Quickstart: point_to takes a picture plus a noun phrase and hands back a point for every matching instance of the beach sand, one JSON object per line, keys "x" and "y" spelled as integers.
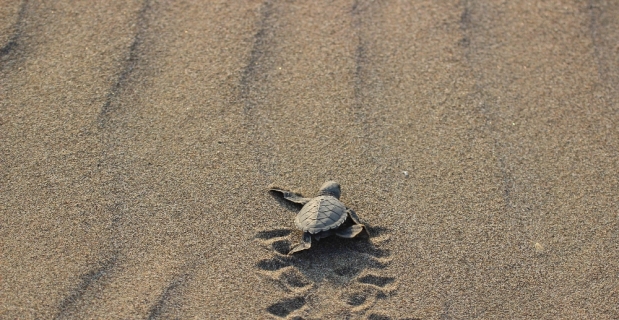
{"x": 479, "y": 140}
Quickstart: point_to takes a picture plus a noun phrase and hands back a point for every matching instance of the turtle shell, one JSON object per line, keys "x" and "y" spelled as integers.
{"x": 321, "y": 214}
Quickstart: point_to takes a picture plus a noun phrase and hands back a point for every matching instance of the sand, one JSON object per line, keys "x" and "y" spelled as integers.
{"x": 478, "y": 139}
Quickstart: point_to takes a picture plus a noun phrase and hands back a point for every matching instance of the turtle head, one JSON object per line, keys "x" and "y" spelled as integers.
{"x": 330, "y": 188}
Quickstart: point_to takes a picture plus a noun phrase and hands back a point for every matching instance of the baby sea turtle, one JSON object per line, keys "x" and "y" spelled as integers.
{"x": 323, "y": 216}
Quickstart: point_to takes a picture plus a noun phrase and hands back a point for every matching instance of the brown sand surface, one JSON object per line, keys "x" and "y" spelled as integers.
{"x": 478, "y": 139}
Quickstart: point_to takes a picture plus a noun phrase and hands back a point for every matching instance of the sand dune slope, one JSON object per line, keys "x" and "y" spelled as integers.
{"x": 478, "y": 140}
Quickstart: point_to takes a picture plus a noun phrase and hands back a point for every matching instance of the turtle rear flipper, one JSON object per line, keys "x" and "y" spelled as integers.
{"x": 351, "y": 231}
{"x": 304, "y": 245}
{"x": 291, "y": 196}
{"x": 355, "y": 218}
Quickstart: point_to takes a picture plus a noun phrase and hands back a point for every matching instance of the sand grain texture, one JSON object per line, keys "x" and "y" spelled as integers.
{"x": 478, "y": 139}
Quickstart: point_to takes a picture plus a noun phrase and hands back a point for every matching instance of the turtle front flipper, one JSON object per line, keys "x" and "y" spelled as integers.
{"x": 304, "y": 245}
{"x": 291, "y": 196}
{"x": 354, "y": 230}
